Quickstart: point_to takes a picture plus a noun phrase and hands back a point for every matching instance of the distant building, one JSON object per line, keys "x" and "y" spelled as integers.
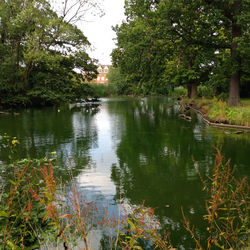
{"x": 102, "y": 74}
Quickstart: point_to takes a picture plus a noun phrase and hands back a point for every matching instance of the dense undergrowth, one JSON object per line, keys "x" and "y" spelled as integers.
{"x": 34, "y": 211}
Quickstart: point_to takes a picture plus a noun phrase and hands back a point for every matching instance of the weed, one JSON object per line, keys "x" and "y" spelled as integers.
{"x": 227, "y": 208}
{"x": 218, "y": 110}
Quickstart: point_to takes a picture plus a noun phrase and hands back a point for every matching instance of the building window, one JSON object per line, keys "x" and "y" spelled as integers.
{"x": 102, "y": 78}
{"x": 99, "y": 70}
{"x": 98, "y": 78}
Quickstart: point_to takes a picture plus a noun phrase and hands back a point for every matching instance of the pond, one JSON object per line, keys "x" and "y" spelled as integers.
{"x": 129, "y": 150}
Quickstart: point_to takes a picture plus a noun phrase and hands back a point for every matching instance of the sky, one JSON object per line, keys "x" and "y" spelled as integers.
{"x": 99, "y": 30}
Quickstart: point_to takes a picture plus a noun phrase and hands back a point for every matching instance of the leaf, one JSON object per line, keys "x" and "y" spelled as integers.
{"x": 137, "y": 247}
{"x": 218, "y": 245}
{"x": 3, "y": 214}
{"x": 65, "y": 215}
{"x": 131, "y": 224}
{"x": 12, "y": 245}
{"x": 36, "y": 246}
{"x": 12, "y": 182}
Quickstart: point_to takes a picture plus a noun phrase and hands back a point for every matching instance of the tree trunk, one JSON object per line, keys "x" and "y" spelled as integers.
{"x": 189, "y": 90}
{"x": 234, "y": 90}
{"x": 192, "y": 90}
{"x": 26, "y": 76}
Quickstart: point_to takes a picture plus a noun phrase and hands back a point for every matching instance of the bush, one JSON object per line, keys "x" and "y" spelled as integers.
{"x": 22, "y": 213}
{"x": 205, "y": 91}
{"x": 118, "y": 82}
{"x": 219, "y": 111}
{"x": 103, "y": 90}
{"x": 178, "y": 92}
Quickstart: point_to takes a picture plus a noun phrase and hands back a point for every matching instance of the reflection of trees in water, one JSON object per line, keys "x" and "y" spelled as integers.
{"x": 71, "y": 133}
{"x": 156, "y": 153}
{"x": 155, "y": 161}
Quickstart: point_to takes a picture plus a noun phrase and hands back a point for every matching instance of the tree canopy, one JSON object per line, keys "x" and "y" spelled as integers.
{"x": 167, "y": 43}
{"x": 43, "y": 54}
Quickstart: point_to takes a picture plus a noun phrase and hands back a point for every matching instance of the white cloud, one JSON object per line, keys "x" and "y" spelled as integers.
{"x": 100, "y": 33}
{"x": 98, "y": 30}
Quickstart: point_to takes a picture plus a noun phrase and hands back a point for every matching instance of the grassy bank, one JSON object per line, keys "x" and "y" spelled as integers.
{"x": 219, "y": 111}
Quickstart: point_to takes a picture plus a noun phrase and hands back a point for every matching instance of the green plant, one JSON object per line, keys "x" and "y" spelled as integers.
{"x": 178, "y": 92}
{"x": 227, "y": 208}
{"x": 219, "y": 111}
{"x": 140, "y": 228}
{"x": 22, "y": 212}
{"x": 9, "y": 143}
{"x": 103, "y": 90}
{"x": 205, "y": 91}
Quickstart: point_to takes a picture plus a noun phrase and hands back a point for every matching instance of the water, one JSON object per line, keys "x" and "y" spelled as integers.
{"x": 131, "y": 150}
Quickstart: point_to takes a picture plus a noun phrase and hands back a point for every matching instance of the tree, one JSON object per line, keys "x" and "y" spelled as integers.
{"x": 140, "y": 50}
{"x": 33, "y": 38}
{"x": 118, "y": 80}
{"x": 194, "y": 40}
{"x": 234, "y": 16}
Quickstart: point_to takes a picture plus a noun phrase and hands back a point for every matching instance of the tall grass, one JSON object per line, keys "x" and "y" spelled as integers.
{"x": 219, "y": 111}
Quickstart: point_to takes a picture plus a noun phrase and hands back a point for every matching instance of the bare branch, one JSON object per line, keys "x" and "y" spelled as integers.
{"x": 74, "y": 11}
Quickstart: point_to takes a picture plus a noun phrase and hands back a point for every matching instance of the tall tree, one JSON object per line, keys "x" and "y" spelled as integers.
{"x": 34, "y": 37}
{"x": 234, "y": 16}
{"x": 195, "y": 38}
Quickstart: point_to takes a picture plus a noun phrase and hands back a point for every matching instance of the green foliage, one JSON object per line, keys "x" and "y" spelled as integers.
{"x": 22, "y": 210}
{"x": 233, "y": 115}
{"x": 206, "y": 91}
{"x": 178, "y": 92}
{"x": 10, "y": 144}
{"x": 40, "y": 52}
{"x": 218, "y": 110}
{"x": 103, "y": 90}
{"x": 118, "y": 81}
{"x": 163, "y": 44}
{"x": 227, "y": 208}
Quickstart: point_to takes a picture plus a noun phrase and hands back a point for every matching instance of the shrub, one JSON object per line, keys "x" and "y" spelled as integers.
{"x": 178, "y": 92}
{"x": 217, "y": 111}
{"x": 103, "y": 90}
{"x": 205, "y": 91}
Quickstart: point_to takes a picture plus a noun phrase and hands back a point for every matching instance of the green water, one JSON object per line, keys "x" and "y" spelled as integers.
{"x": 131, "y": 150}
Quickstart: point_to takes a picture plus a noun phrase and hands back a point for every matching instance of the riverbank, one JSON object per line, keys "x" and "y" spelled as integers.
{"x": 218, "y": 113}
